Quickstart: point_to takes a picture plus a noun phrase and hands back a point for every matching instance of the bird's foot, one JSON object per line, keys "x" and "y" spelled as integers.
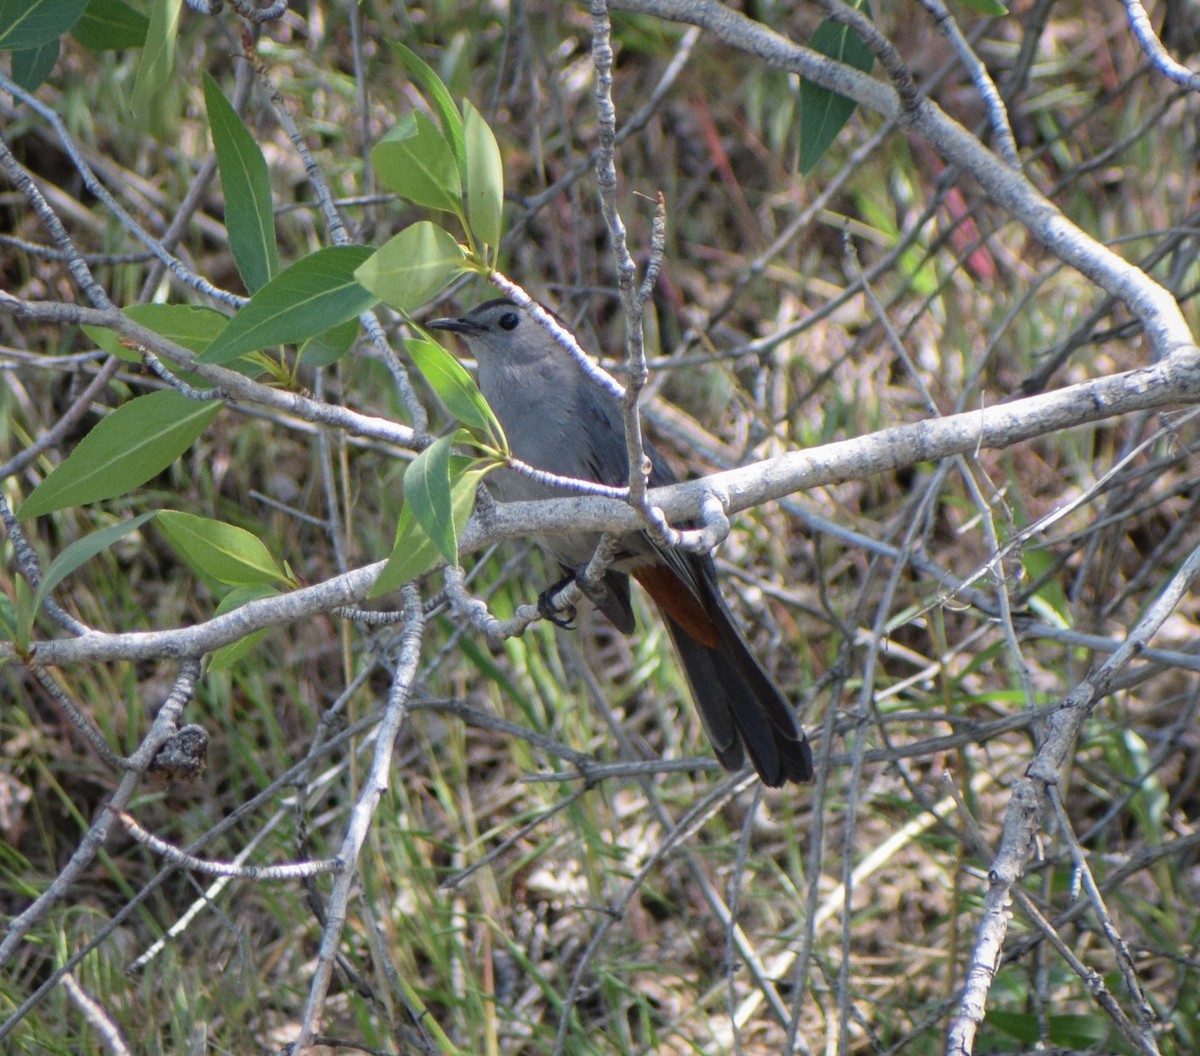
{"x": 560, "y": 616}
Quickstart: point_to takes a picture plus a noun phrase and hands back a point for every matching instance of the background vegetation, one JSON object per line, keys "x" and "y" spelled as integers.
{"x": 928, "y": 619}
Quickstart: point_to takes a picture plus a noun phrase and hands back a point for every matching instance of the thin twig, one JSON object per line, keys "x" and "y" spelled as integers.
{"x": 358, "y": 827}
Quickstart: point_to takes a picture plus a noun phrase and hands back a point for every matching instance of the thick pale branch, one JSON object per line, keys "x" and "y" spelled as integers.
{"x": 1175, "y": 382}
{"x": 1172, "y": 383}
{"x": 232, "y": 385}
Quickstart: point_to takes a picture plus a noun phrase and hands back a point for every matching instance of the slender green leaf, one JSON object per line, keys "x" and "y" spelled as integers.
{"x": 228, "y": 655}
{"x": 83, "y": 550}
{"x": 456, "y": 388}
{"x": 158, "y": 56}
{"x": 485, "y": 179}
{"x": 32, "y": 23}
{"x": 427, "y": 493}
{"x": 412, "y": 267}
{"x": 302, "y": 301}
{"x": 249, "y": 218}
{"x": 1050, "y": 601}
{"x": 443, "y": 103}
{"x": 31, "y": 66}
{"x": 224, "y": 552}
{"x": 194, "y": 328}
{"x": 111, "y": 24}
{"x": 993, "y": 8}
{"x": 414, "y": 553}
{"x": 415, "y": 160}
{"x": 134, "y": 443}
{"x": 823, "y": 113}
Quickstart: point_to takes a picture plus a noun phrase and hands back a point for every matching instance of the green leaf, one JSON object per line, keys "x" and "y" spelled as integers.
{"x": 195, "y": 328}
{"x": 427, "y": 493}
{"x": 32, "y": 23}
{"x": 224, "y": 552}
{"x": 158, "y": 56}
{"x": 415, "y": 160}
{"x": 80, "y": 551}
{"x": 111, "y": 24}
{"x": 823, "y": 113}
{"x": 414, "y": 553}
{"x": 456, "y": 388}
{"x": 485, "y": 179}
{"x": 249, "y": 218}
{"x": 134, "y": 443}
{"x": 31, "y": 66}
{"x": 1074, "y": 1031}
{"x": 329, "y": 347}
{"x": 916, "y": 262}
{"x": 992, "y": 8}
{"x": 302, "y": 301}
{"x": 1050, "y": 601}
{"x": 228, "y": 655}
{"x": 192, "y": 327}
{"x": 412, "y": 267}
{"x": 443, "y": 103}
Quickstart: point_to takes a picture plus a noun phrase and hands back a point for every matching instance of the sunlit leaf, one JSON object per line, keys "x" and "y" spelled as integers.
{"x": 306, "y": 299}
{"x": 249, "y": 219}
{"x": 414, "y": 553}
{"x": 427, "y": 494}
{"x": 442, "y": 101}
{"x": 83, "y": 550}
{"x": 409, "y": 269}
{"x": 158, "y": 56}
{"x": 224, "y": 552}
{"x": 485, "y": 179}
{"x": 823, "y": 114}
{"x": 127, "y": 448}
{"x": 456, "y": 388}
{"x": 228, "y": 655}
{"x": 415, "y": 160}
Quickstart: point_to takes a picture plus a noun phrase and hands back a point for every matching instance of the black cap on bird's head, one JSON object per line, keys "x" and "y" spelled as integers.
{"x": 498, "y": 314}
{"x": 501, "y": 330}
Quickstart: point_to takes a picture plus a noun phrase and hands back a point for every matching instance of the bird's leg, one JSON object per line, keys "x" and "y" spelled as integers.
{"x": 559, "y": 616}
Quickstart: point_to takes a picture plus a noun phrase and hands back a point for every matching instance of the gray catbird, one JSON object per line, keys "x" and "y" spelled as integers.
{"x": 562, "y": 421}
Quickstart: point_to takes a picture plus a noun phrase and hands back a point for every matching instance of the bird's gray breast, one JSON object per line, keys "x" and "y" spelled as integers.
{"x": 539, "y": 411}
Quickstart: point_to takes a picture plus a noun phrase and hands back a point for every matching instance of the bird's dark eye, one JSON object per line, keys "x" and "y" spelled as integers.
{"x": 509, "y": 320}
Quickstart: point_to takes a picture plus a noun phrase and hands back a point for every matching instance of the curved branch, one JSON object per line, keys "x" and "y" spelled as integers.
{"x": 232, "y": 384}
{"x": 1153, "y": 305}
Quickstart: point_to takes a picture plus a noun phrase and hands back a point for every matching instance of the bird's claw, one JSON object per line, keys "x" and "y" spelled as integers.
{"x": 560, "y": 617}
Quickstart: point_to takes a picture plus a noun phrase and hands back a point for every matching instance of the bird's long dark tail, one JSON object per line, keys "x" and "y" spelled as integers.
{"x": 743, "y": 711}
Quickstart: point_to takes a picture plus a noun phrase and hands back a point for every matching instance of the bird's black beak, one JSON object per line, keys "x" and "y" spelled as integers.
{"x": 457, "y": 326}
